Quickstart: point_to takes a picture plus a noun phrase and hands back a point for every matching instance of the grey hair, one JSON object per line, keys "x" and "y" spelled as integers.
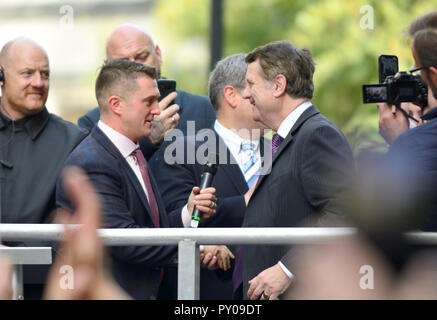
{"x": 228, "y": 71}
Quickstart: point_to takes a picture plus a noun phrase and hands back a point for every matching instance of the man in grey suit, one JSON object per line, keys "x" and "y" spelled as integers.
{"x": 311, "y": 164}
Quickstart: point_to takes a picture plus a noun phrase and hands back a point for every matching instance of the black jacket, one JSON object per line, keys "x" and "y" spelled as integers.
{"x": 32, "y": 154}
{"x": 413, "y": 157}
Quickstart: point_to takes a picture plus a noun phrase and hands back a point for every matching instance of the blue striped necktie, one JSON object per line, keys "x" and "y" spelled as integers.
{"x": 249, "y": 161}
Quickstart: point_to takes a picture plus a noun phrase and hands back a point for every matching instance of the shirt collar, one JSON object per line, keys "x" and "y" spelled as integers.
{"x": 125, "y": 145}
{"x": 33, "y": 124}
{"x": 231, "y": 138}
{"x": 290, "y": 120}
{"x": 431, "y": 114}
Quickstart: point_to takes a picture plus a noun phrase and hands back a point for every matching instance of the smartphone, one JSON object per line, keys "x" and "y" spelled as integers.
{"x": 387, "y": 66}
{"x": 166, "y": 86}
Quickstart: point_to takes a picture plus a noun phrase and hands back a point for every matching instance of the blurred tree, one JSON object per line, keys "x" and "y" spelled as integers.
{"x": 345, "y": 53}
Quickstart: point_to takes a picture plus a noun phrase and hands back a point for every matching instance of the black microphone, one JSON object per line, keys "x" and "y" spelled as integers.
{"x": 209, "y": 171}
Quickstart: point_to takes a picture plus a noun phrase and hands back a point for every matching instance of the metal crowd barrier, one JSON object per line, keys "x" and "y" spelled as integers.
{"x": 188, "y": 241}
{"x": 21, "y": 256}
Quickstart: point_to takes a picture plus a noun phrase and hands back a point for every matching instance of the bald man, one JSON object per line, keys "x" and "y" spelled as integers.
{"x": 33, "y": 143}
{"x": 131, "y": 42}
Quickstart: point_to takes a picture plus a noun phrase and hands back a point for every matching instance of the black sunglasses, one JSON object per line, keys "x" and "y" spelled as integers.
{"x": 417, "y": 69}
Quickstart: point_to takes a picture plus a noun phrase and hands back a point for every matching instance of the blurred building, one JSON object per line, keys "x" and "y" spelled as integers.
{"x": 74, "y": 34}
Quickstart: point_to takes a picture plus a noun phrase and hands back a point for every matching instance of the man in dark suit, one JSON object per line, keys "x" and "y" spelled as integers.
{"x": 127, "y": 94}
{"x": 235, "y": 136}
{"x": 311, "y": 165}
{"x": 131, "y": 42}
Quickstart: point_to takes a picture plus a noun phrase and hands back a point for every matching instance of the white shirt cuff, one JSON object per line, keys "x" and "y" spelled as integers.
{"x": 287, "y": 272}
{"x": 186, "y": 217}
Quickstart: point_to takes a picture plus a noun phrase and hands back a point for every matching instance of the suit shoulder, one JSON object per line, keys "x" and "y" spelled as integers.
{"x": 420, "y": 133}
{"x": 91, "y": 156}
{"x": 89, "y": 119}
{"x": 320, "y": 122}
{"x": 189, "y": 95}
{"x": 318, "y": 129}
{"x": 193, "y": 98}
{"x": 92, "y": 114}
{"x": 413, "y": 138}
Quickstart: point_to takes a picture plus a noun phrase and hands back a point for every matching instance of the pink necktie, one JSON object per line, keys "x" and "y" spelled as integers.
{"x": 151, "y": 196}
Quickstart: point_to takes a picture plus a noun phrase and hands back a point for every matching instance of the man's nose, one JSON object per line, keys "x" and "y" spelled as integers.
{"x": 246, "y": 93}
{"x": 37, "y": 80}
{"x": 156, "y": 110}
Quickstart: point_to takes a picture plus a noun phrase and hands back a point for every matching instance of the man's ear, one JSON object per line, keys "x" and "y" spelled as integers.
{"x": 158, "y": 54}
{"x": 116, "y": 104}
{"x": 279, "y": 85}
{"x": 230, "y": 96}
{"x": 433, "y": 75}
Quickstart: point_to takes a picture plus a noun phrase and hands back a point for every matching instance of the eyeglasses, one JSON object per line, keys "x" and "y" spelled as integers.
{"x": 414, "y": 70}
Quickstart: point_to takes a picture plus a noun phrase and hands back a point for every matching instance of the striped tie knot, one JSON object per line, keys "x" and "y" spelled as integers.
{"x": 276, "y": 142}
{"x": 247, "y": 155}
{"x": 249, "y": 160}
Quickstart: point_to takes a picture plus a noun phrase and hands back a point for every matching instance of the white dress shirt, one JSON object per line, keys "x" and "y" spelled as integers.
{"x": 233, "y": 141}
{"x": 290, "y": 120}
{"x": 126, "y": 146}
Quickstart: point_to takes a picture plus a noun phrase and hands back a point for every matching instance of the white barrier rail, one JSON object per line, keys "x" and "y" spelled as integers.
{"x": 189, "y": 239}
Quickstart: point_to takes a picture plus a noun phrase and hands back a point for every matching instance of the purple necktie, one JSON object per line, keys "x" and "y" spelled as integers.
{"x": 237, "y": 275}
{"x": 276, "y": 142}
{"x": 151, "y": 196}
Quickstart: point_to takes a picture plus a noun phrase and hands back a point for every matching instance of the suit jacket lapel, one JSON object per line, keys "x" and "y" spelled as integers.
{"x": 267, "y": 167}
{"x": 163, "y": 218}
{"x": 102, "y": 139}
{"x": 137, "y": 185}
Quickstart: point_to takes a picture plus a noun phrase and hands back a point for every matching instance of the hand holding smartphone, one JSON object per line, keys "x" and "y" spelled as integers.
{"x": 166, "y": 86}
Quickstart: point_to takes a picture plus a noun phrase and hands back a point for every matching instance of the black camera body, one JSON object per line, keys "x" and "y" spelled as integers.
{"x": 395, "y": 87}
{"x": 402, "y": 87}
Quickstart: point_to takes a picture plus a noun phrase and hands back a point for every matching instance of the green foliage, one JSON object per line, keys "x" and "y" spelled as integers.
{"x": 346, "y": 55}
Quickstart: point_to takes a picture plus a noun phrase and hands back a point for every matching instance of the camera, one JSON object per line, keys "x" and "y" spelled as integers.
{"x": 396, "y": 88}
{"x": 402, "y": 87}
